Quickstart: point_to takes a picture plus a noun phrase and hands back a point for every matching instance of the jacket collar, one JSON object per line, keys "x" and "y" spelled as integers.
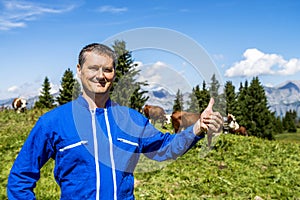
{"x": 83, "y": 102}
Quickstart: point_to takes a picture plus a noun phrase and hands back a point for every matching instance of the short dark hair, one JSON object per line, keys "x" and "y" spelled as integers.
{"x": 100, "y": 49}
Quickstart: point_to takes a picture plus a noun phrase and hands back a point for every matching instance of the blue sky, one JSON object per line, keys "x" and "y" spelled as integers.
{"x": 242, "y": 38}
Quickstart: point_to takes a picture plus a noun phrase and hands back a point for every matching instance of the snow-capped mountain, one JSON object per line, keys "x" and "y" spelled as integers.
{"x": 281, "y": 98}
{"x": 284, "y": 97}
{"x": 7, "y": 103}
{"x": 161, "y": 97}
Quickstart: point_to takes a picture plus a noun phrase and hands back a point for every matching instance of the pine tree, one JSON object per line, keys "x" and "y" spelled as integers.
{"x": 230, "y": 97}
{"x": 221, "y": 106}
{"x": 193, "y": 102}
{"x": 76, "y": 89}
{"x": 279, "y": 125}
{"x": 294, "y": 121}
{"x": 214, "y": 87}
{"x": 203, "y": 97}
{"x": 126, "y": 90}
{"x": 46, "y": 100}
{"x": 67, "y": 86}
{"x": 261, "y": 118}
{"x": 138, "y": 99}
{"x": 285, "y": 121}
{"x": 125, "y": 61}
{"x": 178, "y": 102}
{"x": 220, "y": 101}
{"x": 241, "y": 111}
{"x": 289, "y": 121}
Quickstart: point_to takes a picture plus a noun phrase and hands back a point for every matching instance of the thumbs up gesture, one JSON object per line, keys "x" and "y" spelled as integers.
{"x": 209, "y": 121}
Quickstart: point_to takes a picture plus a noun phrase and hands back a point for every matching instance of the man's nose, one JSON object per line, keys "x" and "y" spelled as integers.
{"x": 100, "y": 73}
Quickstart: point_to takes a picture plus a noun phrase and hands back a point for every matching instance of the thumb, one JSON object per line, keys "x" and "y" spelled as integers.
{"x": 210, "y": 104}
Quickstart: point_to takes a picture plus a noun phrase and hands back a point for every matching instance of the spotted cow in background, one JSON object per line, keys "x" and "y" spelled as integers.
{"x": 234, "y": 127}
{"x": 19, "y": 105}
{"x": 168, "y": 117}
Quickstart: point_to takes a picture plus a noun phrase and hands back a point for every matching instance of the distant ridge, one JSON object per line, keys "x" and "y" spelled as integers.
{"x": 284, "y": 97}
{"x": 295, "y": 82}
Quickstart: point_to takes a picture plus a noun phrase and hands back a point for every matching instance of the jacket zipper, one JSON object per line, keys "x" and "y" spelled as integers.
{"x": 111, "y": 153}
{"x": 96, "y": 154}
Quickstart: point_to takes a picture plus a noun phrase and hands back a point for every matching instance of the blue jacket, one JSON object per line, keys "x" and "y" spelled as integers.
{"x": 95, "y": 151}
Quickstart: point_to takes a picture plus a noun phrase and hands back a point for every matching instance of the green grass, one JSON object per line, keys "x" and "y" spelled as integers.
{"x": 289, "y": 137}
{"x": 236, "y": 168}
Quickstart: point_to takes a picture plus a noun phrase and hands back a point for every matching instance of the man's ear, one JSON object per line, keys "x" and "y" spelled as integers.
{"x": 115, "y": 74}
{"x": 78, "y": 71}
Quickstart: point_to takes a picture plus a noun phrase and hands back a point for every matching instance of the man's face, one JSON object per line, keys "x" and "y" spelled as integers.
{"x": 96, "y": 74}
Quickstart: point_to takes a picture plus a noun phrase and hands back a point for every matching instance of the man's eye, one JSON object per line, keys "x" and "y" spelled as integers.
{"x": 93, "y": 68}
{"x": 108, "y": 70}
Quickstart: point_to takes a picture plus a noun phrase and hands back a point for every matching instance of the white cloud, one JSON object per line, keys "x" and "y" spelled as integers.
{"x": 7, "y": 25}
{"x": 15, "y": 14}
{"x": 258, "y": 63}
{"x": 161, "y": 74}
{"x": 112, "y": 9}
{"x": 292, "y": 66}
{"x": 269, "y": 84}
{"x": 24, "y": 90}
{"x": 27, "y": 90}
{"x": 13, "y": 89}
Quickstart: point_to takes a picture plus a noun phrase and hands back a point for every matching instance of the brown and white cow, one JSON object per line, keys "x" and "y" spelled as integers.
{"x": 155, "y": 113}
{"x": 168, "y": 117}
{"x": 182, "y": 119}
{"x": 19, "y": 105}
{"x": 234, "y": 127}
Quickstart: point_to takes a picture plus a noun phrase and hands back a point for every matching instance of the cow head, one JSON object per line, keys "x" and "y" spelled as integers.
{"x": 168, "y": 118}
{"x": 19, "y": 104}
{"x": 232, "y": 122}
{"x": 230, "y": 117}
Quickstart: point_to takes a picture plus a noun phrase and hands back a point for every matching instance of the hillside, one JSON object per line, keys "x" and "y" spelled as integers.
{"x": 236, "y": 168}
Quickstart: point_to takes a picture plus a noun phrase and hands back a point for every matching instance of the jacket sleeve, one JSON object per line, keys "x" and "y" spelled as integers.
{"x": 164, "y": 146}
{"x": 25, "y": 172}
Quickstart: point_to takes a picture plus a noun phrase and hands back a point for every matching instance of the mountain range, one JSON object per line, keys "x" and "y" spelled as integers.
{"x": 284, "y": 97}
{"x": 281, "y": 98}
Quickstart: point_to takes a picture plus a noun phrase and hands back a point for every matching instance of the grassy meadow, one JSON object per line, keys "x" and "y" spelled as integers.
{"x": 236, "y": 168}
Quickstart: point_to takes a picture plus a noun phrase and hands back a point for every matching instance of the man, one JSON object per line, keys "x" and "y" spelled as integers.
{"x": 95, "y": 142}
